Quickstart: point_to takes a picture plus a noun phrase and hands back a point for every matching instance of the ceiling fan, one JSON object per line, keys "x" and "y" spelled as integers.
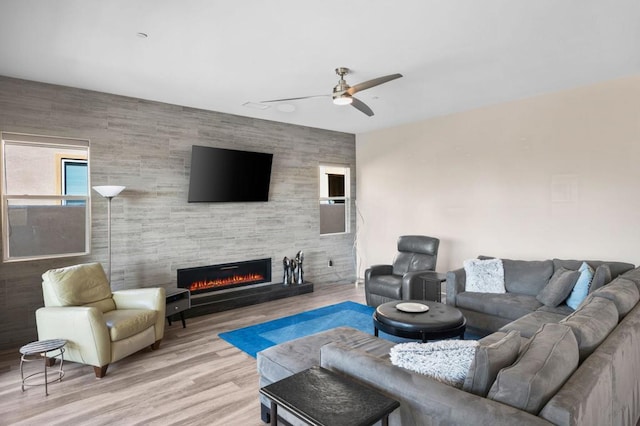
{"x": 343, "y": 93}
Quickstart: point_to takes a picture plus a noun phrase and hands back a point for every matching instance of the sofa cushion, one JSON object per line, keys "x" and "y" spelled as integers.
{"x": 526, "y": 276}
{"x": 633, "y": 275}
{"x": 581, "y": 289}
{"x": 484, "y": 276}
{"x": 508, "y": 305}
{"x": 616, "y": 268}
{"x": 601, "y": 276}
{"x": 592, "y": 323}
{"x": 546, "y": 362}
{"x": 123, "y": 323}
{"x": 530, "y": 323}
{"x": 489, "y": 359}
{"x": 446, "y": 361}
{"x": 285, "y": 359}
{"x": 559, "y": 287}
{"x": 561, "y": 309}
{"x": 623, "y": 292}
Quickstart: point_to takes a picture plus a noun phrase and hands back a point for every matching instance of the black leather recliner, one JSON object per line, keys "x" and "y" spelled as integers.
{"x": 417, "y": 254}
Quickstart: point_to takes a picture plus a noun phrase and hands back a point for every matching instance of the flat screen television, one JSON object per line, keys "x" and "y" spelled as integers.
{"x": 226, "y": 175}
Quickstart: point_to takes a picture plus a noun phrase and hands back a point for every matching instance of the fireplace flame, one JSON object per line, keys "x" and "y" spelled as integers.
{"x": 223, "y": 282}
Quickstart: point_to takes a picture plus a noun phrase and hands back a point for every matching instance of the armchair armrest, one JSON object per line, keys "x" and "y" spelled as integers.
{"x": 412, "y": 285}
{"x": 144, "y": 298}
{"x": 378, "y": 270}
{"x": 456, "y": 281}
{"x": 84, "y": 329}
{"x": 423, "y": 400}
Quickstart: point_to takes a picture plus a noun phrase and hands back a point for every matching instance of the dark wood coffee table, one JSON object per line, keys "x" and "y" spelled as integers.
{"x": 321, "y": 397}
{"x": 439, "y": 322}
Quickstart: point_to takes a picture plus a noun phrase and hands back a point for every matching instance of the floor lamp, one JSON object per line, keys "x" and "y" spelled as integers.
{"x": 108, "y": 192}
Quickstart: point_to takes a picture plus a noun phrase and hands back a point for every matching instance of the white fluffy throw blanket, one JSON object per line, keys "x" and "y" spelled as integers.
{"x": 446, "y": 361}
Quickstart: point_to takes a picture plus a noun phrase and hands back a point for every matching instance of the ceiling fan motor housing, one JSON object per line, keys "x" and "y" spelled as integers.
{"x": 340, "y": 97}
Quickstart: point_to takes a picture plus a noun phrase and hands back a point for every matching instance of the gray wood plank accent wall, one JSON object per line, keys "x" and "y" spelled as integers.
{"x": 146, "y": 146}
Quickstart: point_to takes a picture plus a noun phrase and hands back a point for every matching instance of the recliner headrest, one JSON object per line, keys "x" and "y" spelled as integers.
{"x": 418, "y": 244}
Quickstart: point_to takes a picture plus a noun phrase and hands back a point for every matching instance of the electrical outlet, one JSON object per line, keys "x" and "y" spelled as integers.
{"x": 330, "y": 263}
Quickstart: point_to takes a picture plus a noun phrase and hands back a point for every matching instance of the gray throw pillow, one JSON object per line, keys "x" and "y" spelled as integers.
{"x": 489, "y": 359}
{"x": 601, "y": 276}
{"x": 591, "y": 323}
{"x": 623, "y": 292}
{"x": 559, "y": 287}
{"x": 546, "y": 362}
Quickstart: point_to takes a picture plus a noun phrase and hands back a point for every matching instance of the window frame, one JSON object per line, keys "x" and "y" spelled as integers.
{"x": 324, "y": 170}
{"x": 25, "y": 139}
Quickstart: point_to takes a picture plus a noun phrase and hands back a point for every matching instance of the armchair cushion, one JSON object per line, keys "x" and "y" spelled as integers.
{"x": 123, "y": 323}
{"x": 408, "y": 262}
{"x": 77, "y": 285}
{"x": 415, "y": 253}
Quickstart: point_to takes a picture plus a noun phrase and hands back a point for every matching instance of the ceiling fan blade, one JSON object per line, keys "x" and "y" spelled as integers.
{"x": 361, "y": 106}
{"x": 372, "y": 83}
{"x": 293, "y": 99}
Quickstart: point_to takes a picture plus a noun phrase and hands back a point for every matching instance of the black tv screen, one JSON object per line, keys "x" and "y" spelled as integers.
{"x": 228, "y": 175}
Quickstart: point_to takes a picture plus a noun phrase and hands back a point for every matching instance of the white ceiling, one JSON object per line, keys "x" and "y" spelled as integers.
{"x": 217, "y": 55}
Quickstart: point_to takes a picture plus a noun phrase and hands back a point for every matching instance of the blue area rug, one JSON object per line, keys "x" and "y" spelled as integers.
{"x": 257, "y": 337}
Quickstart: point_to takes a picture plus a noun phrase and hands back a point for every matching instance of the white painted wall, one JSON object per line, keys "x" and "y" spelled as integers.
{"x": 552, "y": 176}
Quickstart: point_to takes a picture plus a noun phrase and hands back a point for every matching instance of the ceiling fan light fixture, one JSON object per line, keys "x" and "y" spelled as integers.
{"x": 343, "y": 100}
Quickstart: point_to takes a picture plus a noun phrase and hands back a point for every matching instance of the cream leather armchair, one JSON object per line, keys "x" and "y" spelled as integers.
{"x": 100, "y": 327}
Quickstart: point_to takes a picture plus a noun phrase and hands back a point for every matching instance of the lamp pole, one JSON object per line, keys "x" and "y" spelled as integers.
{"x": 108, "y": 192}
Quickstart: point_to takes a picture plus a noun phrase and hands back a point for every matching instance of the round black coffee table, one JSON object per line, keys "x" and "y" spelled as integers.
{"x": 439, "y": 322}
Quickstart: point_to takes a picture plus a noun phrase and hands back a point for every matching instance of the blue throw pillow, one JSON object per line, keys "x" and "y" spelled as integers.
{"x": 581, "y": 289}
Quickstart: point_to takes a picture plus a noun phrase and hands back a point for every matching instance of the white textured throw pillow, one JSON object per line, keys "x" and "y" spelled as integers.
{"x": 446, "y": 361}
{"x": 484, "y": 276}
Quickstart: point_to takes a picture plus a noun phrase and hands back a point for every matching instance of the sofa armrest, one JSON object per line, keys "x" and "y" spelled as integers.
{"x": 144, "y": 298}
{"x": 84, "y": 329}
{"x": 423, "y": 400}
{"x": 456, "y": 281}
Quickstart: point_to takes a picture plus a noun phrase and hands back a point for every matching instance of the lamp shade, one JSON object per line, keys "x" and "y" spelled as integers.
{"x": 108, "y": 191}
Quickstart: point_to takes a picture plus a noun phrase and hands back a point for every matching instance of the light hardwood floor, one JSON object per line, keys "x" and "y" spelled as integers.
{"x": 195, "y": 378}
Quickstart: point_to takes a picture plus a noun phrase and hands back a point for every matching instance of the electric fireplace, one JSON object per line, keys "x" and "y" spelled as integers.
{"x": 224, "y": 276}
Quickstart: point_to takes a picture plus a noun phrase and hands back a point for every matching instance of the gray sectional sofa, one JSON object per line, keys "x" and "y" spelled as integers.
{"x": 571, "y": 367}
{"x": 523, "y": 280}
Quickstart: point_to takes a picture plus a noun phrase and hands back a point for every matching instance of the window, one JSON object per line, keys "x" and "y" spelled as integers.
{"x": 45, "y": 197}
{"x": 334, "y": 199}
{"x": 73, "y": 179}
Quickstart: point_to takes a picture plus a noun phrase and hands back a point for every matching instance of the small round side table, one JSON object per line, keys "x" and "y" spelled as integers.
{"x": 35, "y": 350}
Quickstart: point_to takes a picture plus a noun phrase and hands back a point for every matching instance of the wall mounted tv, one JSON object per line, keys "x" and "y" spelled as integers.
{"x": 227, "y": 175}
